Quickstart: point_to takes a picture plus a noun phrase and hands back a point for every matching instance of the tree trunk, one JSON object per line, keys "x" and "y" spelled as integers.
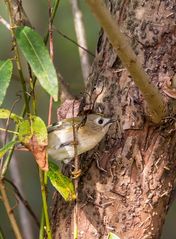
{"x": 127, "y": 188}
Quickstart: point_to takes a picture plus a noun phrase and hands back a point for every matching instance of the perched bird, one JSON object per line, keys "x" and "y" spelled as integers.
{"x": 90, "y": 130}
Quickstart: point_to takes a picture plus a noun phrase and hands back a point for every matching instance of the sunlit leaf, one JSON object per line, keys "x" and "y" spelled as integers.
{"x": 62, "y": 183}
{"x": 36, "y": 53}
{"x": 7, "y": 147}
{"x": 6, "y": 68}
{"x": 113, "y": 236}
{"x": 33, "y": 134}
{"x": 5, "y": 114}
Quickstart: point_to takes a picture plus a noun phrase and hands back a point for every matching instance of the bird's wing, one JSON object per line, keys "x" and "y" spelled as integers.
{"x": 64, "y": 124}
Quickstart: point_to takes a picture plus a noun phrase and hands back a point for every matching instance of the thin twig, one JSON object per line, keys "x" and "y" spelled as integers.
{"x": 9, "y": 131}
{"x": 53, "y": 14}
{"x": 51, "y": 50}
{"x": 9, "y": 211}
{"x": 5, "y": 23}
{"x": 50, "y": 30}
{"x": 8, "y": 158}
{"x": 76, "y": 169}
{"x": 8, "y": 119}
{"x": 74, "y": 42}
{"x": 129, "y": 59}
{"x": 32, "y": 81}
{"x": 81, "y": 38}
{"x": 24, "y": 202}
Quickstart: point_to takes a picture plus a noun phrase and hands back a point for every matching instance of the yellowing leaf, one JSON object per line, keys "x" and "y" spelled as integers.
{"x": 5, "y": 114}
{"x": 62, "y": 183}
{"x": 113, "y": 236}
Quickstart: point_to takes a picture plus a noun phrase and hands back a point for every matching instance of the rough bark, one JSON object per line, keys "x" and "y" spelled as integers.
{"x": 127, "y": 188}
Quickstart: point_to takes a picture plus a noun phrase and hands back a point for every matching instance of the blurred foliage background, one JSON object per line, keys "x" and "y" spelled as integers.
{"x": 66, "y": 60}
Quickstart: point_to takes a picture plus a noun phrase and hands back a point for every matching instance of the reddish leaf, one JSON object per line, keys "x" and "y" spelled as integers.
{"x": 33, "y": 135}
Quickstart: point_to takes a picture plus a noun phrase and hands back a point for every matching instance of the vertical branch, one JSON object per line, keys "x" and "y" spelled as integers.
{"x": 43, "y": 176}
{"x": 43, "y": 182}
{"x": 42, "y": 223}
{"x": 76, "y": 172}
{"x": 50, "y": 31}
{"x": 81, "y": 38}
{"x": 53, "y": 14}
{"x": 17, "y": 14}
{"x": 17, "y": 55}
{"x": 9, "y": 211}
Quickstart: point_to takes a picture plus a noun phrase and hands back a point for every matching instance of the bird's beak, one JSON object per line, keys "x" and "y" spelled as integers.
{"x": 111, "y": 121}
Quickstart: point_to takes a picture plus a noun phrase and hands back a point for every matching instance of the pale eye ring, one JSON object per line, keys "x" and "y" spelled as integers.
{"x": 100, "y": 121}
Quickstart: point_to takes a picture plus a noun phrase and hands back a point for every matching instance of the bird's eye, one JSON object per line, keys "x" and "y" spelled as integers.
{"x": 100, "y": 121}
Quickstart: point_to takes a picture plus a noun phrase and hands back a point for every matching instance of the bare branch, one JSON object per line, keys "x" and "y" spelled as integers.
{"x": 9, "y": 211}
{"x": 5, "y": 23}
{"x": 25, "y": 203}
{"x": 129, "y": 60}
{"x": 81, "y": 38}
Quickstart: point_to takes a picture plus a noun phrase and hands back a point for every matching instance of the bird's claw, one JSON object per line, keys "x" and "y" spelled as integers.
{"x": 76, "y": 174}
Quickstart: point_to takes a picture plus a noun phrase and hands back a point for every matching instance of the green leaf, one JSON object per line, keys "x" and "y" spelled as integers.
{"x": 25, "y": 132}
{"x": 62, "y": 183}
{"x": 32, "y": 127}
{"x": 7, "y": 147}
{"x": 33, "y": 134}
{"x": 5, "y": 114}
{"x": 6, "y": 68}
{"x": 36, "y": 54}
{"x": 113, "y": 236}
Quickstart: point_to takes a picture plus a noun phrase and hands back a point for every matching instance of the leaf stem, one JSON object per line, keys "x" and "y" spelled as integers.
{"x": 76, "y": 181}
{"x": 7, "y": 161}
{"x": 42, "y": 225}
{"x": 43, "y": 183}
{"x": 9, "y": 131}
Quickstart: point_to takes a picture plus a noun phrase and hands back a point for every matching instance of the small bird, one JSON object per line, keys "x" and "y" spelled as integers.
{"x": 90, "y": 130}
